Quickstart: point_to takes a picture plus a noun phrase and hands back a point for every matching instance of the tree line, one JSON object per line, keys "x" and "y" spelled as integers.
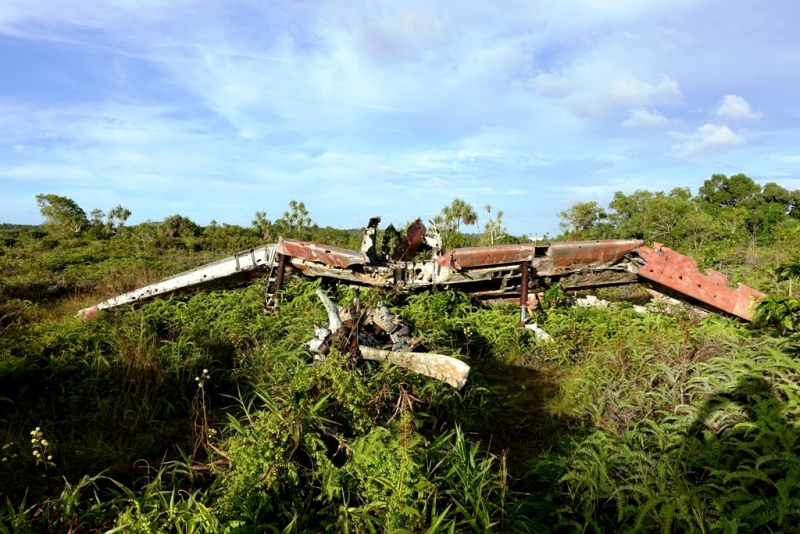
{"x": 725, "y": 210}
{"x": 64, "y": 216}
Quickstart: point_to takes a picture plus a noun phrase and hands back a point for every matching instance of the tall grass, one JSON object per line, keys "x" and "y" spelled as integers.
{"x": 657, "y": 422}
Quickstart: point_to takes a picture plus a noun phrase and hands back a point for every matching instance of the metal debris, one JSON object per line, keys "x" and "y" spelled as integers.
{"x": 679, "y": 274}
{"x": 504, "y": 272}
{"x": 374, "y": 323}
{"x": 541, "y": 335}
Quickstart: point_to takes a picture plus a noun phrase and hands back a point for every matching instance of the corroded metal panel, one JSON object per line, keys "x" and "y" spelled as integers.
{"x": 464, "y": 258}
{"x": 374, "y": 276}
{"x": 325, "y": 254}
{"x": 411, "y": 242}
{"x": 679, "y": 273}
{"x": 572, "y": 255}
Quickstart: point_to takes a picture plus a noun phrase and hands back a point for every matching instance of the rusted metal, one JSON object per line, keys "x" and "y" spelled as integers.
{"x": 577, "y": 255}
{"x": 488, "y": 273}
{"x": 279, "y": 277}
{"x": 679, "y": 273}
{"x": 411, "y": 241}
{"x": 464, "y": 258}
{"x": 524, "y": 268}
{"x": 325, "y": 254}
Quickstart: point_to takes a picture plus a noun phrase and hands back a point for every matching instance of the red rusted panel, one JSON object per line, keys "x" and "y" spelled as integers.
{"x": 464, "y": 258}
{"x": 585, "y": 254}
{"x": 325, "y": 254}
{"x": 411, "y": 242}
{"x": 679, "y": 273}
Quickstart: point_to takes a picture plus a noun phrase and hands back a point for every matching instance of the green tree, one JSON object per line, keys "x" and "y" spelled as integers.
{"x": 454, "y": 215}
{"x": 581, "y": 218}
{"x": 97, "y": 216}
{"x": 179, "y": 226}
{"x": 62, "y": 211}
{"x": 493, "y": 228}
{"x": 116, "y": 219}
{"x": 262, "y": 225}
{"x": 296, "y": 219}
{"x": 720, "y": 191}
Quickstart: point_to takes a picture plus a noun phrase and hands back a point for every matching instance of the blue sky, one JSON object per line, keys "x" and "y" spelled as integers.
{"x": 216, "y": 110}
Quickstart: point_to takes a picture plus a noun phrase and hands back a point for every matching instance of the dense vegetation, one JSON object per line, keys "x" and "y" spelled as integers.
{"x": 201, "y": 413}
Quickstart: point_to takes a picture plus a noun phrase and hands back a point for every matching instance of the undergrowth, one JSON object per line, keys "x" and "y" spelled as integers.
{"x": 202, "y": 413}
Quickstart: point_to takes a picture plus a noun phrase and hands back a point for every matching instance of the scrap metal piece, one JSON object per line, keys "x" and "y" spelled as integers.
{"x": 539, "y": 332}
{"x": 523, "y": 297}
{"x": 464, "y": 258}
{"x": 411, "y": 242}
{"x": 433, "y": 238}
{"x": 317, "y": 253}
{"x": 579, "y": 255}
{"x": 243, "y": 262}
{"x": 679, "y": 273}
{"x": 316, "y": 345}
{"x": 334, "y": 321}
{"x": 276, "y": 297}
{"x": 368, "y": 241}
{"x": 438, "y": 366}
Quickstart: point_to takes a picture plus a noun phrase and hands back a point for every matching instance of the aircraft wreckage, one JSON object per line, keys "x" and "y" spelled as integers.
{"x": 514, "y": 273}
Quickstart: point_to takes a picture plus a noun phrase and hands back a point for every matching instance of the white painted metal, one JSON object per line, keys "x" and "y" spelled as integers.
{"x": 246, "y": 260}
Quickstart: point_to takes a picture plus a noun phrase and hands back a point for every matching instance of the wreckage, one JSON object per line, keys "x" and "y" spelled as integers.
{"x": 418, "y": 261}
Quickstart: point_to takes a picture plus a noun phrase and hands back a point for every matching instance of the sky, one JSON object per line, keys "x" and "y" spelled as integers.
{"x": 216, "y": 110}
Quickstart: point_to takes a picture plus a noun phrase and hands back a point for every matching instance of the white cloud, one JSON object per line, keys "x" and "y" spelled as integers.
{"x": 707, "y": 139}
{"x": 385, "y": 169}
{"x": 641, "y": 119}
{"x": 591, "y": 91}
{"x": 735, "y": 107}
{"x": 630, "y": 91}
